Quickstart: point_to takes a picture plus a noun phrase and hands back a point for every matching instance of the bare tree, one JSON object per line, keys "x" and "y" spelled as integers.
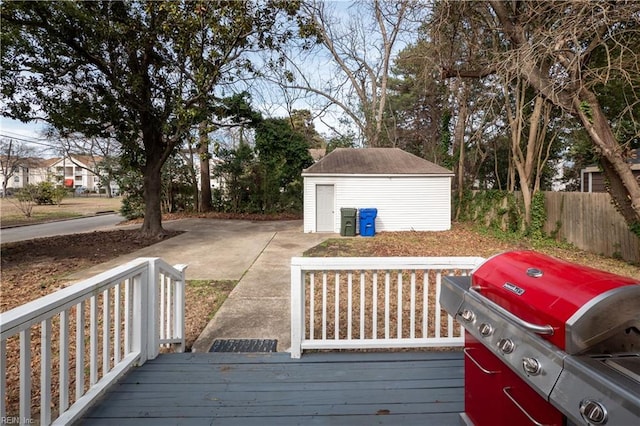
{"x": 530, "y": 143}
{"x": 568, "y": 52}
{"x": 13, "y": 156}
{"x": 359, "y": 48}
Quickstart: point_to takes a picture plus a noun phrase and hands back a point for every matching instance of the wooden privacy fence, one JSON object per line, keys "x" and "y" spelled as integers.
{"x": 589, "y": 221}
{"x": 372, "y": 302}
{"x": 62, "y": 351}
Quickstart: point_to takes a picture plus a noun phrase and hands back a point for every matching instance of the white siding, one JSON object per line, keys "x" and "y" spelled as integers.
{"x": 403, "y": 203}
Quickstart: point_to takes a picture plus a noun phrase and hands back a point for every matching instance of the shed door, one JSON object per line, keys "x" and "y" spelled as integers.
{"x": 324, "y": 208}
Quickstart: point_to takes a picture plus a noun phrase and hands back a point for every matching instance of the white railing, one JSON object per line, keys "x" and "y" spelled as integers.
{"x": 97, "y": 329}
{"x": 372, "y": 302}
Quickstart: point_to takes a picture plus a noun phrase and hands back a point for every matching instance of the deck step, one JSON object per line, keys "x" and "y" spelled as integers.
{"x": 244, "y": 345}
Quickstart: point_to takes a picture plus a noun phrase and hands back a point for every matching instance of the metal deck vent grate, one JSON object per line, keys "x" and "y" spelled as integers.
{"x": 244, "y": 345}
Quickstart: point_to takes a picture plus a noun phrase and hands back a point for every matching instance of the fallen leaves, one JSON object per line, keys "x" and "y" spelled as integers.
{"x": 462, "y": 240}
{"x": 35, "y": 268}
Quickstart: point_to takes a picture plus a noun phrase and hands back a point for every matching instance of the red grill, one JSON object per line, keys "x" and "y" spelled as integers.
{"x": 544, "y": 290}
{"x": 547, "y": 342}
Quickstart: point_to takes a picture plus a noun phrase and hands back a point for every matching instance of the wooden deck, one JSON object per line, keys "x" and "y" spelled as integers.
{"x": 423, "y": 388}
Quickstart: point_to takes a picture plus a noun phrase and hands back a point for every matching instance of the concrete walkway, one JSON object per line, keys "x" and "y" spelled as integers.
{"x": 258, "y": 254}
{"x": 259, "y": 306}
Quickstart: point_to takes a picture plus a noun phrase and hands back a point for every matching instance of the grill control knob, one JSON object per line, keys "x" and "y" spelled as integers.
{"x": 506, "y": 346}
{"x": 467, "y": 315}
{"x": 485, "y": 329}
{"x": 593, "y": 412}
{"x": 531, "y": 366}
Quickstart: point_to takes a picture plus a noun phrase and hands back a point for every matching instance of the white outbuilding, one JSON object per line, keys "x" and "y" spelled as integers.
{"x": 409, "y": 193}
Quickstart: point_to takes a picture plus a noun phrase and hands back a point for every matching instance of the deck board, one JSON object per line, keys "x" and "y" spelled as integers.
{"x": 320, "y": 388}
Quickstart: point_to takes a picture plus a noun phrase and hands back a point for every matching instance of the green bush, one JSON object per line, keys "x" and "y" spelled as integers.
{"x": 42, "y": 193}
{"x": 132, "y": 207}
{"x": 538, "y": 216}
{"x": 45, "y": 193}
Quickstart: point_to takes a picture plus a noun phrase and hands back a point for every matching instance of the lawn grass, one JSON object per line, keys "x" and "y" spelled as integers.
{"x": 70, "y": 207}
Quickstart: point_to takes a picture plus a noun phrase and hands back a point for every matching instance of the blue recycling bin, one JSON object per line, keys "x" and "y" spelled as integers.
{"x": 368, "y": 222}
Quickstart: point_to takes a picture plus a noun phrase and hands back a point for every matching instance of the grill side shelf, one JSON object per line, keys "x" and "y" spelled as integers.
{"x": 452, "y": 293}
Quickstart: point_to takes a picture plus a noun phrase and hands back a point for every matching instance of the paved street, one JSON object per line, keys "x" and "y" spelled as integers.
{"x": 64, "y": 227}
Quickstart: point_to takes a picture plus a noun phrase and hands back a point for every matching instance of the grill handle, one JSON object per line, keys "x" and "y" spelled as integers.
{"x": 507, "y": 391}
{"x": 484, "y": 370}
{"x": 546, "y": 330}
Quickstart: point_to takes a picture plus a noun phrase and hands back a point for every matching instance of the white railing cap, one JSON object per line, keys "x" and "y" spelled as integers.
{"x": 385, "y": 263}
{"x": 175, "y": 271}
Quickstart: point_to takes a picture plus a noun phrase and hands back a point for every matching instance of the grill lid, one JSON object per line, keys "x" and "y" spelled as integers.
{"x": 586, "y": 307}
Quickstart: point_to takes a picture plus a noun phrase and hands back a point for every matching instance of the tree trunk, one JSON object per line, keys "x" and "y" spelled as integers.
{"x": 458, "y": 141}
{"x": 526, "y": 168}
{"x": 511, "y": 176}
{"x": 205, "y": 172}
{"x": 617, "y": 191}
{"x": 624, "y": 188}
{"x": 155, "y": 156}
{"x": 152, "y": 225}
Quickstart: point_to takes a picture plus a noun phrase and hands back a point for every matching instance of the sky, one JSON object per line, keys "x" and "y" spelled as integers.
{"x": 271, "y": 104}
{"x": 29, "y": 133}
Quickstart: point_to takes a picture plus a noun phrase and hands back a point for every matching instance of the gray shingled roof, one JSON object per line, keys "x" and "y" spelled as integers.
{"x": 374, "y": 161}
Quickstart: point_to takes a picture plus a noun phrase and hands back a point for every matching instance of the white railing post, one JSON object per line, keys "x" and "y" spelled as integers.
{"x": 153, "y": 320}
{"x": 140, "y": 315}
{"x": 25, "y": 374}
{"x": 179, "y": 306}
{"x": 80, "y": 307}
{"x": 297, "y": 309}
{"x": 45, "y": 372}
{"x": 63, "y": 380}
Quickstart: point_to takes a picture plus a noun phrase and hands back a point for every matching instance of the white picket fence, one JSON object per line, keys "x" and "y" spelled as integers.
{"x": 371, "y": 302}
{"x": 125, "y": 315}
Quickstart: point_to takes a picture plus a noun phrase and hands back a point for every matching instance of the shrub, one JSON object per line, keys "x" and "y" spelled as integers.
{"x": 45, "y": 193}
{"x": 132, "y": 206}
{"x": 26, "y": 199}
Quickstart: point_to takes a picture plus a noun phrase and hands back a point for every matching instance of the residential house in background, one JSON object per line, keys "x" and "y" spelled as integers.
{"x": 29, "y": 171}
{"x": 74, "y": 172}
{"x": 592, "y": 178}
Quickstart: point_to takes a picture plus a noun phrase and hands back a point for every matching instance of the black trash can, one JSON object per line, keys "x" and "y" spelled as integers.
{"x": 348, "y": 221}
